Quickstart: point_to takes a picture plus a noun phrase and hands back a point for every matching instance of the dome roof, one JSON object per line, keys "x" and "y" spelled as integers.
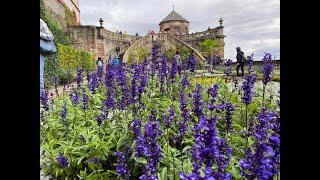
{"x": 174, "y": 16}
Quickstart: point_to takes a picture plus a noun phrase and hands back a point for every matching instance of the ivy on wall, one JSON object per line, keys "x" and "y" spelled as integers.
{"x": 69, "y": 17}
{"x": 59, "y": 35}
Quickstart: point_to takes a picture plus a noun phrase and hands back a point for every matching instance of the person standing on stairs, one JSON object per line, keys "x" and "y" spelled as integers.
{"x": 117, "y": 50}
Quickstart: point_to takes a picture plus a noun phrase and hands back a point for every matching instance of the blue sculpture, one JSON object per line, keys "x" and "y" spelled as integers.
{"x": 47, "y": 47}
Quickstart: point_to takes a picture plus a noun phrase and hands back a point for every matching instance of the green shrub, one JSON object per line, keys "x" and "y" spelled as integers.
{"x": 170, "y": 53}
{"x": 71, "y": 58}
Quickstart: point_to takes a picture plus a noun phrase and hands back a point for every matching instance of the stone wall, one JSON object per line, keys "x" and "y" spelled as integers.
{"x": 73, "y": 5}
{"x": 183, "y": 27}
{"x": 56, "y": 8}
{"x": 97, "y": 39}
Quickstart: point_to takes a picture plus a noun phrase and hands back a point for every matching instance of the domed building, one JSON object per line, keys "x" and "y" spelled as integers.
{"x": 174, "y": 24}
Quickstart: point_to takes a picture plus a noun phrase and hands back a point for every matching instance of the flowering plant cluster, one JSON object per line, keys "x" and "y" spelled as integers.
{"x": 144, "y": 122}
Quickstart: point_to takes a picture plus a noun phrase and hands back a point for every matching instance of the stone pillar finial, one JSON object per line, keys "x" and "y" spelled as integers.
{"x": 220, "y": 21}
{"x": 101, "y": 22}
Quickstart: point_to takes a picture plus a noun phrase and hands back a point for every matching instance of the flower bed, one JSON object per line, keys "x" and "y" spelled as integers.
{"x": 149, "y": 123}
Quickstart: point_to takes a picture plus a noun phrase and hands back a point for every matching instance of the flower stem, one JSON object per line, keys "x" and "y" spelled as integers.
{"x": 263, "y": 93}
{"x": 246, "y": 133}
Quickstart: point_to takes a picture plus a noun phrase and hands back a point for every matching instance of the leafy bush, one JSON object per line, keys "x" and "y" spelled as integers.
{"x": 209, "y": 47}
{"x": 170, "y": 53}
{"x": 137, "y": 54}
{"x": 71, "y": 58}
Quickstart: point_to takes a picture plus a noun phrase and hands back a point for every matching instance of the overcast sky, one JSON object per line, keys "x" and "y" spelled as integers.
{"x": 254, "y": 25}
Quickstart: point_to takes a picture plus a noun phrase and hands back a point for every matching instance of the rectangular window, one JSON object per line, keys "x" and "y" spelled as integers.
{"x": 177, "y": 29}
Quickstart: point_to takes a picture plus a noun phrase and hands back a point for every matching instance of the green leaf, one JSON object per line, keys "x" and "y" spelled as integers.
{"x": 164, "y": 174}
{"x": 80, "y": 159}
{"x": 186, "y": 148}
{"x": 141, "y": 160}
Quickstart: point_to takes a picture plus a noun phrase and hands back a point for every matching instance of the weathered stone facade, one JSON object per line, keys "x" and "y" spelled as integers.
{"x": 178, "y": 26}
{"x": 97, "y": 40}
{"x": 57, "y": 9}
{"x": 175, "y": 28}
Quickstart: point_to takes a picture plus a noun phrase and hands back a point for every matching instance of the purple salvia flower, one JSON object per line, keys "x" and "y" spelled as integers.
{"x": 228, "y": 65}
{"x": 192, "y": 63}
{"x": 197, "y": 101}
{"x": 63, "y": 112}
{"x": 122, "y": 80}
{"x": 74, "y": 98}
{"x": 100, "y": 74}
{"x": 95, "y": 160}
{"x": 122, "y": 168}
{"x": 163, "y": 72}
{"x": 136, "y": 127}
{"x": 267, "y": 68}
{"x": 174, "y": 69}
{"x": 62, "y": 161}
{"x": 263, "y": 163}
{"x": 168, "y": 120}
{"x": 135, "y": 83}
{"x": 247, "y": 87}
{"x": 44, "y": 99}
{"x": 185, "y": 82}
{"x": 94, "y": 83}
{"x": 182, "y": 124}
{"x": 99, "y": 119}
{"x": 85, "y": 101}
{"x": 229, "y": 109}
{"x": 213, "y": 92}
{"x": 153, "y": 151}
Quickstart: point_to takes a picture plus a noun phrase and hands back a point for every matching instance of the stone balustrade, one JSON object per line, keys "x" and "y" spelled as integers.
{"x": 210, "y": 33}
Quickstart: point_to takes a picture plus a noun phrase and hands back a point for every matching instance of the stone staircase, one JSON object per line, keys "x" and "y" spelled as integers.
{"x": 166, "y": 40}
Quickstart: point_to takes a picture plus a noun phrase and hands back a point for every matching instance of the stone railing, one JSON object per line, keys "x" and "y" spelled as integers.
{"x": 175, "y": 41}
{"x": 140, "y": 42}
{"x": 210, "y": 33}
{"x": 116, "y": 36}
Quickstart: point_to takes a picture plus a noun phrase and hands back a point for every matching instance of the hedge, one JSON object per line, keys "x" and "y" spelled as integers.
{"x": 71, "y": 58}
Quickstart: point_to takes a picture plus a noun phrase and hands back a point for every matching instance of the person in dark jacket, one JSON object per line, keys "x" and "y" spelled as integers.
{"x": 117, "y": 50}
{"x": 240, "y": 60}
